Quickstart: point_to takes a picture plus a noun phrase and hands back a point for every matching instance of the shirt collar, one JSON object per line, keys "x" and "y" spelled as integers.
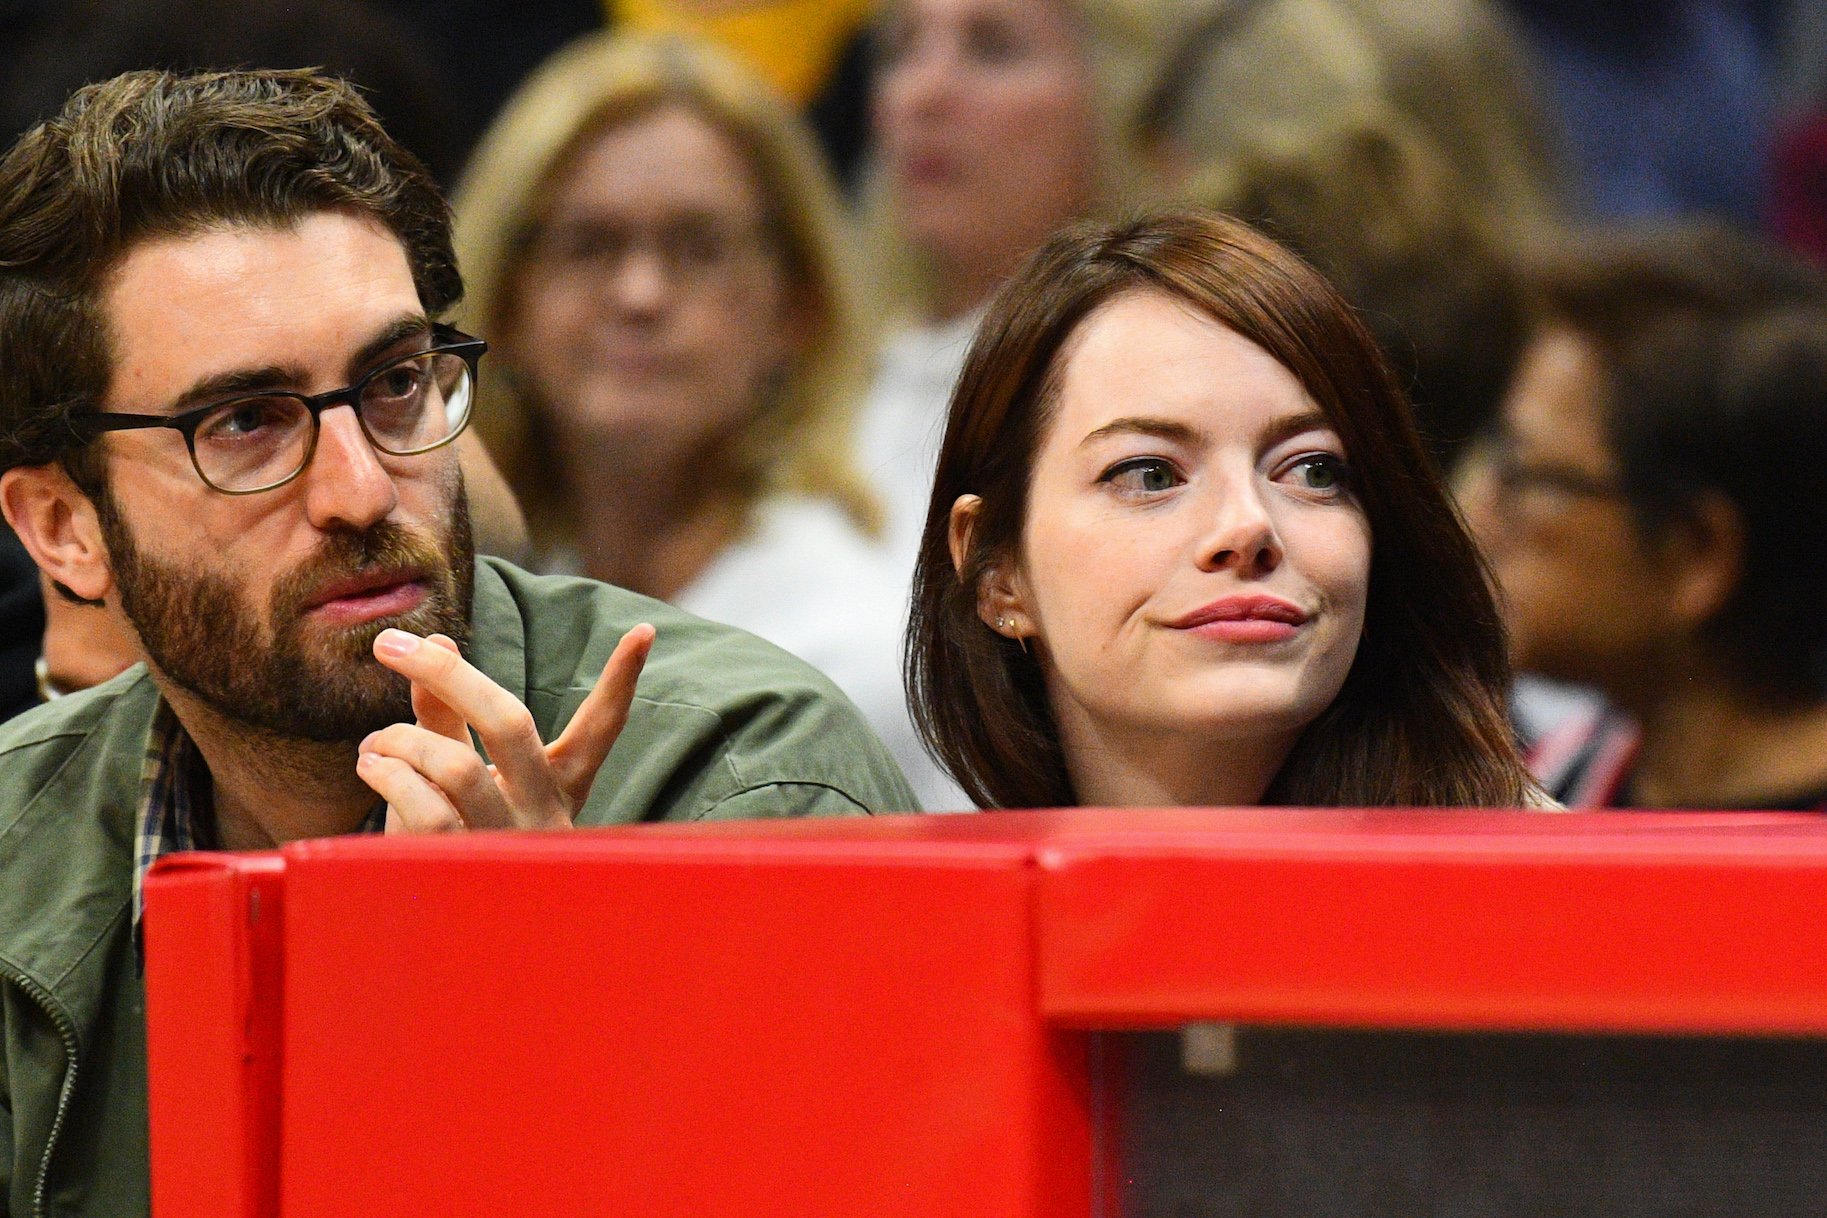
{"x": 176, "y": 806}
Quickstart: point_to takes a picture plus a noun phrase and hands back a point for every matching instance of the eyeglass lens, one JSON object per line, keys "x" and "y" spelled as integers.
{"x": 406, "y": 407}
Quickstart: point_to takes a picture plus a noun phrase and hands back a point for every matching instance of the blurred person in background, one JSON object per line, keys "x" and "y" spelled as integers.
{"x": 1282, "y": 74}
{"x": 1377, "y": 209}
{"x": 1647, "y": 531}
{"x": 1664, "y": 108}
{"x": 659, "y": 258}
{"x": 996, "y": 122}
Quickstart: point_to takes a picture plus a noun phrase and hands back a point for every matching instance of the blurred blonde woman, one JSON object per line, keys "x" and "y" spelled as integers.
{"x": 657, "y": 255}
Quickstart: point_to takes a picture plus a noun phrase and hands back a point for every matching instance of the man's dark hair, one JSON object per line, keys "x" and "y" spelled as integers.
{"x": 1713, "y": 347}
{"x": 155, "y": 154}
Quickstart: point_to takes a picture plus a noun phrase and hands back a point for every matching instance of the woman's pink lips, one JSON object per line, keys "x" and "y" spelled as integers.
{"x": 370, "y": 604}
{"x": 1245, "y": 630}
{"x": 1244, "y": 619}
{"x": 926, "y": 169}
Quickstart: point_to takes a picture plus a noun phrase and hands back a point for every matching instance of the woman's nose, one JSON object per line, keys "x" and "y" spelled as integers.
{"x": 639, "y": 282}
{"x": 1241, "y": 535}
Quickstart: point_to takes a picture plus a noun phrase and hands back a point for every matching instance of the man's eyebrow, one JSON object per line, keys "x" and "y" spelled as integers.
{"x": 410, "y": 325}
{"x": 288, "y": 376}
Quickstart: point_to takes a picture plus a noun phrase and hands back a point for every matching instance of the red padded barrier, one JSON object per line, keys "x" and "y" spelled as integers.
{"x": 1622, "y": 922}
{"x": 615, "y": 1024}
{"x": 212, "y": 932}
{"x": 886, "y": 1016}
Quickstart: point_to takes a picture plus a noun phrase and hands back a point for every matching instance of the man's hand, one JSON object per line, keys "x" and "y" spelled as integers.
{"x": 429, "y": 772}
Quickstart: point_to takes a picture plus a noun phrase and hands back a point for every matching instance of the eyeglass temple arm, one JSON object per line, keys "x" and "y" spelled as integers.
{"x": 86, "y": 426}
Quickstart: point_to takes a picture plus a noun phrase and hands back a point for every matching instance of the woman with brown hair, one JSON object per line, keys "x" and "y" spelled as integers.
{"x": 1184, "y": 547}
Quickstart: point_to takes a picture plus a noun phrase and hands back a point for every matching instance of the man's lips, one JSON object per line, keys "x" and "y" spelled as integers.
{"x": 1244, "y": 619}
{"x": 367, "y": 597}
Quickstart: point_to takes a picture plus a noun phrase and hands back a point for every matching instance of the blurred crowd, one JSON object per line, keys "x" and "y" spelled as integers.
{"x": 729, "y": 256}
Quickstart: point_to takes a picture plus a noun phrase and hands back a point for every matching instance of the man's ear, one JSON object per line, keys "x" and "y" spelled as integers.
{"x": 1002, "y": 600}
{"x": 1706, "y": 554}
{"x": 57, "y": 524}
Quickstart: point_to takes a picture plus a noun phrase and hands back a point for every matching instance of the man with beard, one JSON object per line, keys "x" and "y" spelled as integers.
{"x": 227, "y": 407}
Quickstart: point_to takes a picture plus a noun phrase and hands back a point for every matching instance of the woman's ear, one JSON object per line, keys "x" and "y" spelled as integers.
{"x": 1001, "y": 597}
{"x": 1706, "y": 555}
{"x": 58, "y": 526}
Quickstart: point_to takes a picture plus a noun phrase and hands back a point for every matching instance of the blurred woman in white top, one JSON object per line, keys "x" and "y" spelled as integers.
{"x": 657, "y": 254}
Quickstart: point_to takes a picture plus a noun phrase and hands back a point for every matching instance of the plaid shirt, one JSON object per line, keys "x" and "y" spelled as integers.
{"x": 176, "y": 811}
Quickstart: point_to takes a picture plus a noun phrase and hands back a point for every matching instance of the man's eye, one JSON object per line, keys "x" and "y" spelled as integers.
{"x": 247, "y": 419}
{"x": 1143, "y": 476}
{"x": 400, "y": 381}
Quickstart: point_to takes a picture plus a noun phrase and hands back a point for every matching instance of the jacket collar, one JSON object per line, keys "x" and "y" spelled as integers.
{"x": 498, "y": 638}
{"x": 66, "y": 850}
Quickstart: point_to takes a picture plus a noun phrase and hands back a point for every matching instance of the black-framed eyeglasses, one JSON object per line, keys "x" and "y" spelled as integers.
{"x": 258, "y": 441}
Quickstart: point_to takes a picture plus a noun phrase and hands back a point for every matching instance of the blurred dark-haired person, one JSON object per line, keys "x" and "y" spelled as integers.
{"x": 229, "y": 409}
{"x": 1372, "y": 203}
{"x": 1185, "y": 547}
{"x": 1648, "y": 532}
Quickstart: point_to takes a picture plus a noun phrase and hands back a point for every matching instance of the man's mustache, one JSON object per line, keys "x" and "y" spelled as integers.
{"x": 384, "y": 546}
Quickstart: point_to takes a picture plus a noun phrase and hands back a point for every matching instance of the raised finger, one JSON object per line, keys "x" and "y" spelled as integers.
{"x": 579, "y": 751}
{"x": 505, "y": 726}
{"x": 413, "y": 805}
{"x": 454, "y": 769}
{"x": 431, "y": 711}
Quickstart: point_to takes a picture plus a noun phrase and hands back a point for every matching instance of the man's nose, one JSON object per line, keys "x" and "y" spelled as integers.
{"x": 347, "y": 486}
{"x": 1241, "y": 535}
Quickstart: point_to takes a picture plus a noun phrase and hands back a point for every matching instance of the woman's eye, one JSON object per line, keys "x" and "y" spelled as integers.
{"x": 1320, "y": 472}
{"x": 1143, "y": 476}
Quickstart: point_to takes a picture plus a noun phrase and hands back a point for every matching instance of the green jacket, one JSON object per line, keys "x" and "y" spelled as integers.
{"x": 723, "y": 725}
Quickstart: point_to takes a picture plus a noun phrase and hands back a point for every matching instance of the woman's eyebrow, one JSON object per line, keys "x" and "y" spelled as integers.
{"x": 1289, "y": 426}
{"x": 1143, "y": 425}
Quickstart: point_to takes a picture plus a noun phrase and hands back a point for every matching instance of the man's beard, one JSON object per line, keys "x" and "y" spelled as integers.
{"x": 203, "y": 636}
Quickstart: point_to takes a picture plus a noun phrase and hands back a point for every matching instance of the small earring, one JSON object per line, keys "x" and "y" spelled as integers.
{"x": 1002, "y": 623}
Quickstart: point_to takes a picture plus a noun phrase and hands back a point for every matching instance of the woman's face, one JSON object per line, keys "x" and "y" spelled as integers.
{"x": 983, "y": 113}
{"x": 1194, "y": 562}
{"x": 652, "y": 306}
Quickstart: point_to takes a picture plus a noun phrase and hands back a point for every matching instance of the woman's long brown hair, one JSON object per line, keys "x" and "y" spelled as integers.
{"x": 1420, "y": 720}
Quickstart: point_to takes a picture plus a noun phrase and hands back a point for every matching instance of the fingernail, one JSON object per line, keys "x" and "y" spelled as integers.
{"x": 367, "y": 759}
{"x": 396, "y": 643}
